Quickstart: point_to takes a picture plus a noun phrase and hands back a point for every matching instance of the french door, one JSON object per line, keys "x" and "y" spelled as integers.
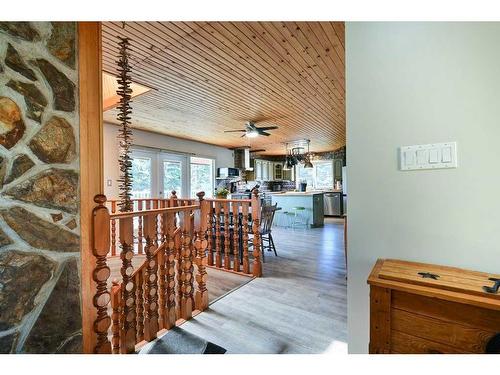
{"x": 156, "y": 174}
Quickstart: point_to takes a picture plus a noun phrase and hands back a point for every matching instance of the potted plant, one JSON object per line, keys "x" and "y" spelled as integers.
{"x": 221, "y": 193}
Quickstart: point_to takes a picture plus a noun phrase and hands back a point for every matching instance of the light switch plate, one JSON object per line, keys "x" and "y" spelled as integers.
{"x": 430, "y": 156}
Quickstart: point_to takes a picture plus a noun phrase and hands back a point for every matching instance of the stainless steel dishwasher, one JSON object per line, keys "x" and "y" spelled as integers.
{"x": 333, "y": 203}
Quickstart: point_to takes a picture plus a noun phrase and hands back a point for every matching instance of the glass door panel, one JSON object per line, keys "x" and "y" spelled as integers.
{"x": 172, "y": 177}
{"x": 202, "y": 177}
{"x": 142, "y": 172}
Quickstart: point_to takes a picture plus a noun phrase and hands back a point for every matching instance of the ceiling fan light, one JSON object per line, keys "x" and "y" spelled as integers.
{"x": 308, "y": 164}
{"x": 252, "y": 134}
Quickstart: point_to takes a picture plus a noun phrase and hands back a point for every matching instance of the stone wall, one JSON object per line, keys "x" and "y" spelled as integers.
{"x": 39, "y": 196}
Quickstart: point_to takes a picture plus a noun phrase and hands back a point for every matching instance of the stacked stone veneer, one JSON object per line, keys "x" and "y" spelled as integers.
{"x": 40, "y": 308}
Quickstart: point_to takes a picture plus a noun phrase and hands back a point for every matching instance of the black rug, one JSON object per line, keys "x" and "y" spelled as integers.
{"x": 178, "y": 341}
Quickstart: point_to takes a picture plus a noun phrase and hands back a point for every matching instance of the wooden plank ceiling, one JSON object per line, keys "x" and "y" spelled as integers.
{"x": 207, "y": 77}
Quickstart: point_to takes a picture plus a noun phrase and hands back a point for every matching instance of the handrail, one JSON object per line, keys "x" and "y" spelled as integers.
{"x": 122, "y": 215}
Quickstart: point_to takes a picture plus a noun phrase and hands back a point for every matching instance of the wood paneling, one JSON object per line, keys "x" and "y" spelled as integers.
{"x": 91, "y": 164}
{"x": 207, "y": 77}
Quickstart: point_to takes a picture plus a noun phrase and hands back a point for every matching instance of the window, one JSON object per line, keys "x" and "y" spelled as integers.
{"x": 317, "y": 178}
{"x": 202, "y": 176}
{"x": 141, "y": 177}
{"x": 172, "y": 177}
{"x": 323, "y": 175}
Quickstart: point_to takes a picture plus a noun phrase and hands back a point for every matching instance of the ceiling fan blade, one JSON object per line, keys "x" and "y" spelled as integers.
{"x": 244, "y": 135}
{"x": 268, "y": 128}
{"x": 258, "y": 150}
{"x": 264, "y": 133}
{"x": 234, "y": 131}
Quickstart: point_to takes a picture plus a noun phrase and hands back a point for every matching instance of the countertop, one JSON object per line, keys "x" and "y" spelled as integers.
{"x": 296, "y": 193}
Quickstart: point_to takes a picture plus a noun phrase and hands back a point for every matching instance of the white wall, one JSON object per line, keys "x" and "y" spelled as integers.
{"x": 417, "y": 83}
{"x": 223, "y": 156}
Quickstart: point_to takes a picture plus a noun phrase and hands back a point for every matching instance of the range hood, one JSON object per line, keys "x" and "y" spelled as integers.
{"x": 242, "y": 159}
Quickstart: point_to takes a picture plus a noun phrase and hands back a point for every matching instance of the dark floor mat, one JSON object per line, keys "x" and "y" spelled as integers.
{"x": 178, "y": 341}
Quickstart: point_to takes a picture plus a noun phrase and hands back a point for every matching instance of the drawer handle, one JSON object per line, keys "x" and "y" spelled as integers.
{"x": 492, "y": 289}
{"x": 428, "y": 275}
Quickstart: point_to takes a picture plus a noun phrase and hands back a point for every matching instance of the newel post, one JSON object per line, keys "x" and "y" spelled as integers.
{"x": 201, "y": 243}
{"x": 101, "y": 233}
{"x": 257, "y": 263}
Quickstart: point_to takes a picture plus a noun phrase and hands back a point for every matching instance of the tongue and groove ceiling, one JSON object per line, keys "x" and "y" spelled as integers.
{"x": 207, "y": 77}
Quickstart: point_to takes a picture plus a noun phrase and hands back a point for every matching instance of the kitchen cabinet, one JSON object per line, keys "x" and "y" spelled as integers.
{"x": 278, "y": 171}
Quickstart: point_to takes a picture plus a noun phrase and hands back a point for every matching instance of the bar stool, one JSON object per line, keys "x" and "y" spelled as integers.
{"x": 296, "y": 216}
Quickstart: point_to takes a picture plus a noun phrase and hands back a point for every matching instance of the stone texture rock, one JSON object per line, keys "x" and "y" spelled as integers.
{"x": 62, "y": 42}
{"x": 20, "y": 166}
{"x": 35, "y": 101}
{"x": 56, "y": 217}
{"x": 54, "y": 142}
{"x": 53, "y": 188}
{"x": 40, "y": 233}
{"x": 3, "y": 169}
{"x": 72, "y": 345}
{"x": 21, "y": 30}
{"x": 60, "y": 320}
{"x": 71, "y": 224}
{"x": 7, "y": 343}
{"x": 21, "y": 277}
{"x": 4, "y": 239}
{"x": 62, "y": 88}
{"x": 11, "y": 123}
{"x": 14, "y": 61}
{"x": 1, "y": 68}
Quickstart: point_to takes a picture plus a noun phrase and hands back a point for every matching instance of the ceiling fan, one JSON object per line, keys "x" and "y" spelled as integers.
{"x": 253, "y": 131}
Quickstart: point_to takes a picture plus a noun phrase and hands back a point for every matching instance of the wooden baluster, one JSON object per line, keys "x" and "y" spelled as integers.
{"x": 173, "y": 199}
{"x": 236, "y": 235}
{"x": 139, "y": 228}
{"x": 169, "y": 229}
{"x": 227, "y": 237}
{"x": 257, "y": 262}
{"x": 186, "y": 275}
{"x": 139, "y": 287}
{"x": 128, "y": 316}
{"x": 246, "y": 263}
{"x": 102, "y": 233}
{"x": 161, "y": 282}
{"x": 192, "y": 256}
{"x": 113, "y": 229}
{"x": 218, "y": 258}
{"x": 115, "y": 304}
{"x": 210, "y": 222}
{"x": 156, "y": 232}
{"x": 151, "y": 320}
{"x": 201, "y": 296}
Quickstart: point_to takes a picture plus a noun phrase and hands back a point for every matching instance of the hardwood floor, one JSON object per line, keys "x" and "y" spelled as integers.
{"x": 299, "y": 306}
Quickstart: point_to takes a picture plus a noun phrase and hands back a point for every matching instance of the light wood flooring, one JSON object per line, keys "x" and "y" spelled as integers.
{"x": 299, "y": 306}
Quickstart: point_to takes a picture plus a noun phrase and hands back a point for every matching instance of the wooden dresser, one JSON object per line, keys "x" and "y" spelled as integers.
{"x": 425, "y": 308}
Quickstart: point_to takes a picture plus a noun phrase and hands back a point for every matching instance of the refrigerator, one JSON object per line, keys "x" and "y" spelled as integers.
{"x": 344, "y": 189}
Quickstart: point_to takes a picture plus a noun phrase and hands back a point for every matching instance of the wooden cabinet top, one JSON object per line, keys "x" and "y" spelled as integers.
{"x": 448, "y": 283}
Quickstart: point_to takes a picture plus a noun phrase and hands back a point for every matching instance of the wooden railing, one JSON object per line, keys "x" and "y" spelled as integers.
{"x": 231, "y": 223}
{"x": 174, "y": 234}
{"x": 161, "y": 291}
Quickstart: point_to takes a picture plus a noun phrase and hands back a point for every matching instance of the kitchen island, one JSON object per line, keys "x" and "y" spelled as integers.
{"x": 312, "y": 216}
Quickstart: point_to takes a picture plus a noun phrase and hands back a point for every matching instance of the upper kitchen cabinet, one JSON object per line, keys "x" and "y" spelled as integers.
{"x": 337, "y": 169}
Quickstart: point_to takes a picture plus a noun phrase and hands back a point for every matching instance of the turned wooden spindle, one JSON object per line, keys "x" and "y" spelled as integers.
{"x": 192, "y": 256}
{"x": 139, "y": 289}
{"x": 246, "y": 262}
{"x": 128, "y": 315}
{"x": 113, "y": 229}
{"x": 257, "y": 262}
{"x": 101, "y": 233}
{"x": 186, "y": 275}
{"x": 218, "y": 257}
{"x": 151, "y": 290}
{"x": 161, "y": 284}
{"x": 227, "y": 237}
{"x": 169, "y": 230}
{"x": 236, "y": 235}
{"x": 201, "y": 296}
{"x": 139, "y": 228}
{"x": 173, "y": 199}
{"x": 210, "y": 223}
{"x": 115, "y": 305}
{"x": 155, "y": 206}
